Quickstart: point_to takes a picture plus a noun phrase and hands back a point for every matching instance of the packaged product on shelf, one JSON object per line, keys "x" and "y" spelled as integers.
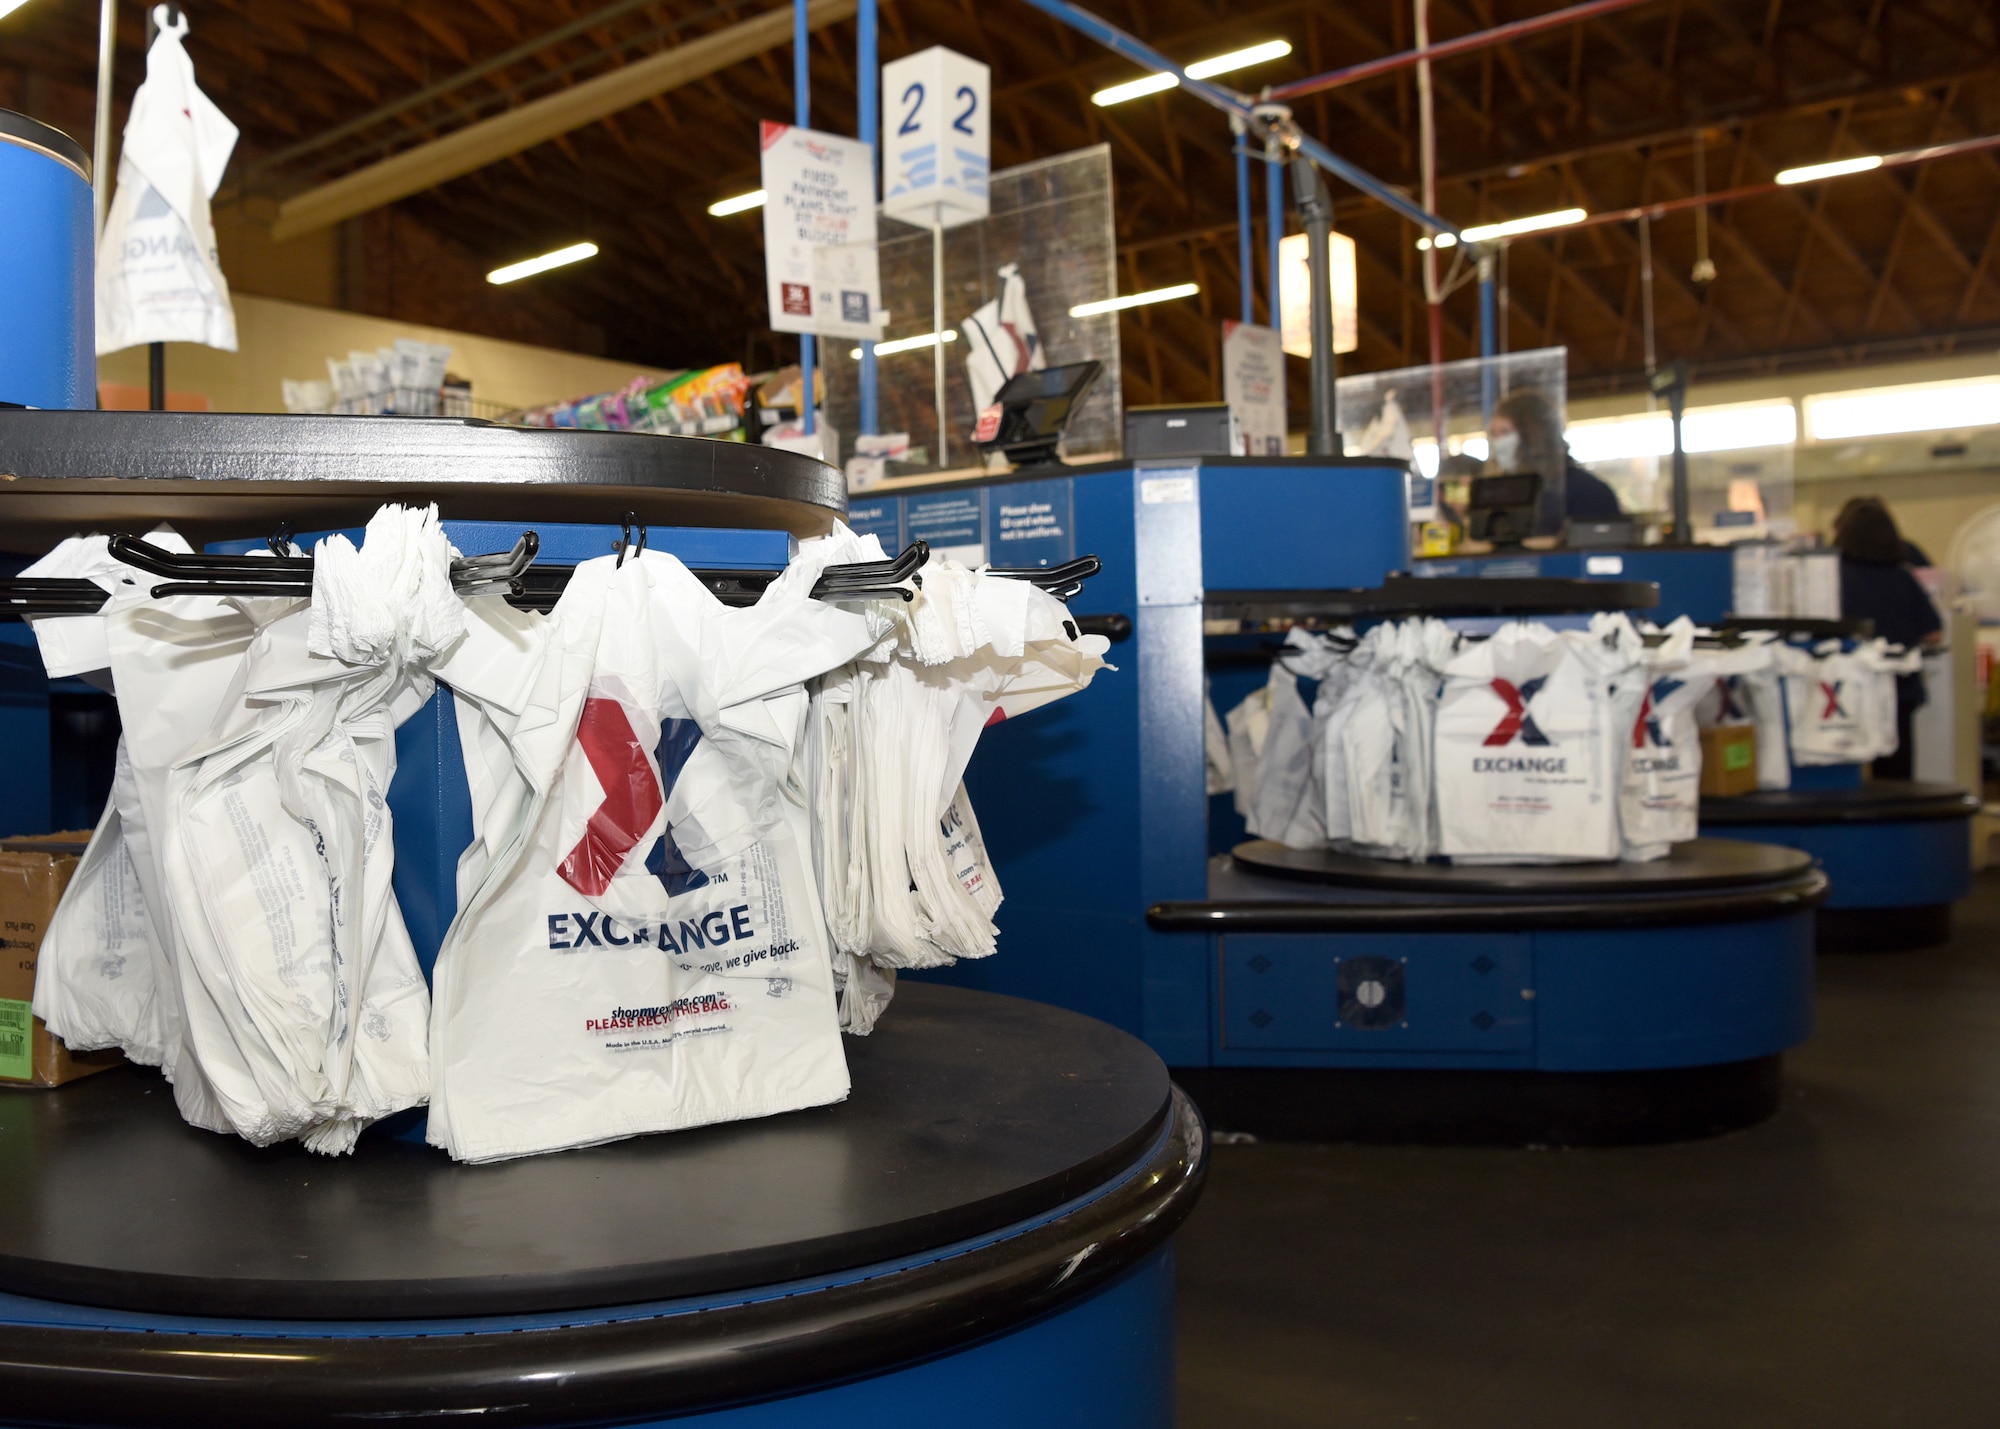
{"x": 1285, "y": 804}
{"x": 644, "y": 949}
{"x": 1660, "y": 802}
{"x": 1530, "y": 742}
{"x": 33, "y": 874}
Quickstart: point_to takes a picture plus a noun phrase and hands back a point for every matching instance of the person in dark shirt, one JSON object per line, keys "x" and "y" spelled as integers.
{"x": 1876, "y": 585}
{"x": 1525, "y": 436}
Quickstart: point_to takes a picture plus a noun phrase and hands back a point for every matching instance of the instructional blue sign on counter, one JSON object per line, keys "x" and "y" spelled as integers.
{"x": 1031, "y": 523}
{"x": 953, "y": 522}
{"x": 881, "y": 518}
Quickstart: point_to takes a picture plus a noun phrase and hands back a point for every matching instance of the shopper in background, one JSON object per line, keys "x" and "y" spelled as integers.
{"x": 1913, "y": 554}
{"x": 1876, "y": 584}
{"x": 1524, "y": 435}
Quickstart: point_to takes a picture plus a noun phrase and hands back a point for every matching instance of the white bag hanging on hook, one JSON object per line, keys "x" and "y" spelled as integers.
{"x": 159, "y": 277}
{"x": 644, "y": 950}
{"x": 1284, "y": 805}
{"x": 1660, "y": 800}
{"x": 1747, "y": 689}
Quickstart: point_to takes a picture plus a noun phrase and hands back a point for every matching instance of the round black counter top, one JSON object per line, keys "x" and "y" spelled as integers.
{"x": 970, "y": 1112}
{"x": 1266, "y": 887}
{"x": 223, "y": 475}
{"x": 1696, "y": 866}
{"x": 1873, "y": 801}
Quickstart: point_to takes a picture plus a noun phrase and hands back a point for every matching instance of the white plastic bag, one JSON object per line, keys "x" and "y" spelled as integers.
{"x": 158, "y": 276}
{"x": 1247, "y": 727}
{"x": 1841, "y": 701}
{"x": 1284, "y": 804}
{"x": 1379, "y": 740}
{"x": 1529, "y": 739}
{"x": 1660, "y": 802}
{"x": 644, "y": 949}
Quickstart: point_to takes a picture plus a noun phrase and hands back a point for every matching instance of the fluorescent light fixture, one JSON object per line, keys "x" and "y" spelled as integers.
{"x": 906, "y": 344}
{"x": 742, "y": 203}
{"x": 1736, "y": 426}
{"x": 1829, "y": 171}
{"x": 1200, "y": 69}
{"x": 1487, "y": 232}
{"x": 1917, "y": 407}
{"x": 528, "y": 267}
{"x": 1295, "y": 294}
{"x": 1133, "y": 300}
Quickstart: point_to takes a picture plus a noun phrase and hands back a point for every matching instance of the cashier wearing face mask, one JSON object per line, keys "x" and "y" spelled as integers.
{"x": 1525, "y": 436}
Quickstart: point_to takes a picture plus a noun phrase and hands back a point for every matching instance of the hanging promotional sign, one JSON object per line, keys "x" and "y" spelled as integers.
{"x": 1253, "y": 384}
{"x": 820, "y": 263}
{"x": 936, "y": 138}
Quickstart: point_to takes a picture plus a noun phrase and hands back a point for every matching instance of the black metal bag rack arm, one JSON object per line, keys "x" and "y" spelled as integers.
{"x": 512, "y": 574}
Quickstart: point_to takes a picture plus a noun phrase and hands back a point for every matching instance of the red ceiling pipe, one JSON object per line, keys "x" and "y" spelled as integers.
{"x": 1445, "y": 49}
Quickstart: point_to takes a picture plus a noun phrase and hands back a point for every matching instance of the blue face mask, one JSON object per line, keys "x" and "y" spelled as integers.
{"x": 1506, "y": 450}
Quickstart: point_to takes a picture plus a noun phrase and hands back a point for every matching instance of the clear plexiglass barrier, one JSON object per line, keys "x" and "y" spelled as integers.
{"x": 1046, "y": 246}
{"x": 1440, "y": 418}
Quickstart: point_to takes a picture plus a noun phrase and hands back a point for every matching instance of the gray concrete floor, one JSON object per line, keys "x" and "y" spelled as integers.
{"x": 1838, "y": 1265}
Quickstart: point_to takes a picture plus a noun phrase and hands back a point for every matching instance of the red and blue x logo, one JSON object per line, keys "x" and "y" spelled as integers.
{"x": 1647, "y": 725}
{"x": 1517, "y": 722}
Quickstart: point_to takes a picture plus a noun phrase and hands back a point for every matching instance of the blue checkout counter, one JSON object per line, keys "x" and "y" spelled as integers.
{"x": 1621, "y": 1005}
{"x": 1898, "y": 853}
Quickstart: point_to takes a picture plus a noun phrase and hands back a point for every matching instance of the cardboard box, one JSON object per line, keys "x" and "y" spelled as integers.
{"x": 32, "y": 880}
{"x": 1728, "y": 761}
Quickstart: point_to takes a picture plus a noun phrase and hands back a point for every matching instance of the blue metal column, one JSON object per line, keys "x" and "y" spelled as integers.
{"x": 867, "y": 104}
{"x": 1274, "y": 223}
{"x": 1245, "y": 280}
{"x": 802, "y": 116}
{"x": 1488, "y": 332}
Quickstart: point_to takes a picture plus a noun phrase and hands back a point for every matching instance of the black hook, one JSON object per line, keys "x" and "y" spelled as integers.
{"x": 625, "y": 546}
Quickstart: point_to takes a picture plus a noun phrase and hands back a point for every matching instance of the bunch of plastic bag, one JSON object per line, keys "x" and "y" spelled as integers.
{"x": 1530, "y": 743}
{"x": 249, "y": 824}
{"x": 1307, "y": 679}
{"x": 1840, "y": 699}
{"x": 640, "y": 945}
{"x": 1373, "y": 748}
{"x": 901, "y": 862}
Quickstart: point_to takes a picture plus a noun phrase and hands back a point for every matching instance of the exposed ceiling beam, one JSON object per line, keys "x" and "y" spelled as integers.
{"x": 477, "y": 145}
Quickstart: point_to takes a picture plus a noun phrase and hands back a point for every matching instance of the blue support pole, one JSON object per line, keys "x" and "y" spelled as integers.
{"x": 1274, "y": 224}
{"x": 802, "y": 116}
{"x": 1488, "y": 333}
{"x": 868, "y": 87}
{"x": 1246, "y": 280}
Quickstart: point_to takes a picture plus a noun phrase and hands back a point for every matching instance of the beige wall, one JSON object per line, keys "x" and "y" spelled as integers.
{"x": 1931, "y": 497}
{"x": 276, "y": 340}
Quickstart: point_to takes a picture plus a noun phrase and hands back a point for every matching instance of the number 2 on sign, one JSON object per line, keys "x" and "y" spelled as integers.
{"x": 914, "y": 97}
{"x": 963, "y": 124}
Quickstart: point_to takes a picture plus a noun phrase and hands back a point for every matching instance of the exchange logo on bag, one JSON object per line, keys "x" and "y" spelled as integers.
{"x": 1647, "y": 726}
{"x": 633, "y": 797}
{"x": 1830, "y": 689}
{"x": 1517, "y": 722}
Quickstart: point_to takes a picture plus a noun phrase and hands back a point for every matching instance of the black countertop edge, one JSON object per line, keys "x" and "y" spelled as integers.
{"x": 639, "y": 1283}
{"x": 19, "y": 129}
{"x": 618, "y": 1371}
{"x": 1304, "y": 916}
{"x": 1836, "y": 807}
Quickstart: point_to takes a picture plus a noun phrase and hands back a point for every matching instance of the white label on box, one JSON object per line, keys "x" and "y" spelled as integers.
{"x": 1165, "y": 490}
{"x": 1604, "y": 565}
